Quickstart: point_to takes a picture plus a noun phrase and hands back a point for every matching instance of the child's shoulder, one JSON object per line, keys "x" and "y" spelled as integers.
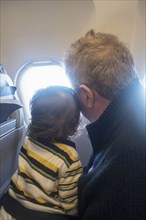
{"x": 68, "y": 148}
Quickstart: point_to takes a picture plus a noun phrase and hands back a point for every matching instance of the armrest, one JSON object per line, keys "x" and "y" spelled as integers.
{"x": 7, "y": 107}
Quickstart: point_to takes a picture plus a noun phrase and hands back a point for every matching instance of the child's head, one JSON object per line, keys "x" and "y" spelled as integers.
{"x": 55, "y": 114}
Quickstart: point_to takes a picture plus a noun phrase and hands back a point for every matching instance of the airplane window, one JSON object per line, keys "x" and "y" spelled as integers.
{"x": 36, "y": 75}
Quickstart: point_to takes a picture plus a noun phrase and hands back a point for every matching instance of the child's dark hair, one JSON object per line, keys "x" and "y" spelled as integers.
{"x": 55, "y": 114}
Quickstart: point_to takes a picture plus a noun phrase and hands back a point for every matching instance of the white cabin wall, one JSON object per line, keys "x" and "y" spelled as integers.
{"x": 40, "y": 29}
{"x": 138, "y": 44}
{"x": 44, "y": 29}
{"x": 116, "y": 17}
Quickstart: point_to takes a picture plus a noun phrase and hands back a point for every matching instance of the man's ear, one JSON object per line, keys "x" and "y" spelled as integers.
{"x": 86, "y": 96}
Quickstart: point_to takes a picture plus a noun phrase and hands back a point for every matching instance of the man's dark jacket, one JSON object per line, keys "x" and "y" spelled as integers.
{"x": 113, "y": 187}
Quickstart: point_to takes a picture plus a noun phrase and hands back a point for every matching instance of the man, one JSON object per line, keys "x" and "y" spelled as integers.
{"x": 102, "y": 72}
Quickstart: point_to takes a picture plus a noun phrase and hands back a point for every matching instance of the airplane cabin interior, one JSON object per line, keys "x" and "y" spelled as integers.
{"x": 34, "y": 36}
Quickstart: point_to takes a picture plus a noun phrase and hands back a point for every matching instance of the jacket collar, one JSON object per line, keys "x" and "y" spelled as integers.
{"x": 102, "y": 130}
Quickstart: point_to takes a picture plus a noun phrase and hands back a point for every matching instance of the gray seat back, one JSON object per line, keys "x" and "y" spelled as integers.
{"x": 11, "y": 129}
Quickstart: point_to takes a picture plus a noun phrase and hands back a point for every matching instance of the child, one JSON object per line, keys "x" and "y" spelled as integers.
{"x": 45, "y": 184}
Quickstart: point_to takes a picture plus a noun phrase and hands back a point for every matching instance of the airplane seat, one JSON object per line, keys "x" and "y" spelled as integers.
{"x": 11, "y": 129}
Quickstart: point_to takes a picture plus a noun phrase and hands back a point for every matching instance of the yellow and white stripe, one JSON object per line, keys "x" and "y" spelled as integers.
{"x": 46, "y": 179}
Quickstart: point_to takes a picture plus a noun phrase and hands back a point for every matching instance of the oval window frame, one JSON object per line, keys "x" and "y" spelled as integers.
{"x": 19, "y": 78}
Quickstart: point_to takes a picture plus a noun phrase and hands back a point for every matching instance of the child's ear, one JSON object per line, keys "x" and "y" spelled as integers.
{"x": 86, "y": 96}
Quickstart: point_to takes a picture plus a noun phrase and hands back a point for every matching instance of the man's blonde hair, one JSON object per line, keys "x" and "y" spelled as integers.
{"x": 100, "y": 61}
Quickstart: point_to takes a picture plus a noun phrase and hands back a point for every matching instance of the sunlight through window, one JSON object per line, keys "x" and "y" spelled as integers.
{"x": 34, "y": 76}
{"x": 144, "y": 81}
